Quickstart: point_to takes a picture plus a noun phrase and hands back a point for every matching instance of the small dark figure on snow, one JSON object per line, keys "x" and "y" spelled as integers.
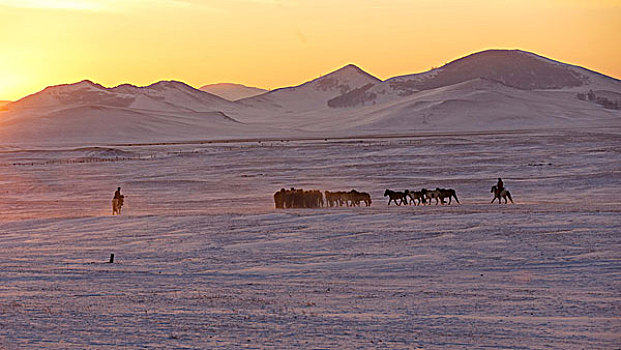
{"x": 500, "y": 191}
{"x": 117, "y": 202}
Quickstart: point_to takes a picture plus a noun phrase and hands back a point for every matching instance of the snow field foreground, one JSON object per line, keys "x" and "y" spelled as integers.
{"x": 203, "y": 261}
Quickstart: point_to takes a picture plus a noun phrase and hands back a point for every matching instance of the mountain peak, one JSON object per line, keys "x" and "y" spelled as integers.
{"x": 79, "y": 85}
{"x": 494, "y": 55}
{"x": 343, "y": 80}
{"x": 85, "y": 82}
{"x": 350, "y": 71}
{"x": 349, "y": 67}
{"x": 232, "y": 91}
{"x": 170, "y": 84}
{"x": 223, "y": 85}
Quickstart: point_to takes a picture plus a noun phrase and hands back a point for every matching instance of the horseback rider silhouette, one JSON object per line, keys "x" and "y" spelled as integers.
{"x": 117, "y": 202}
{"x": 117, "y": 194}
{"x": 499, "y": 186}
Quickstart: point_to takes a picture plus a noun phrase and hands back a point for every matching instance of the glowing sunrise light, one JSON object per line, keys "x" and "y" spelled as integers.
{"x": 53, "y": 4}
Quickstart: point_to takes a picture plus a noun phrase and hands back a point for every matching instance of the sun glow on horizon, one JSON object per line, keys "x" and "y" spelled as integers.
{"x": 52, "y": 4}
{"x": 275, "y": 43}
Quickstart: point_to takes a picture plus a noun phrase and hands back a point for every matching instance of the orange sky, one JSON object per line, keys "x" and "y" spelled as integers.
{"x": 275, "y": 43}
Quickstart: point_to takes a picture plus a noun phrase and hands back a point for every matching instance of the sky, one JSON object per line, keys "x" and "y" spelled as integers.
{"x": 276, "y": 43}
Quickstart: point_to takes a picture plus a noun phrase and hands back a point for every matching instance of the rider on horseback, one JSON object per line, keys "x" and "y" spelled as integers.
{"x": 499, "y": 187}
{"x": 117, "y": 202}
{"x": 117, "y": 194}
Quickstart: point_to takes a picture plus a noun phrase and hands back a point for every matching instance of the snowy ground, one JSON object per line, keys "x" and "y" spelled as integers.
{"x": 203, "y": 261}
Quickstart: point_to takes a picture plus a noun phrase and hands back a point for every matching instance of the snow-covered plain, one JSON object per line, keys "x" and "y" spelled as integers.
{"x": 203, "y": 261}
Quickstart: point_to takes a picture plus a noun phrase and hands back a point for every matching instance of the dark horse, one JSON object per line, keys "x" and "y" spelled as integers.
{"x": 504, "y": 194}
{"x": 117, "y": 203}
{"x": 447, "y": 193}
{"x": 394, "y": 196}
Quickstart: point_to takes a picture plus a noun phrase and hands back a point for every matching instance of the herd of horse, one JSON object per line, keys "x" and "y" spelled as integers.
{"x": 421, "y": 197}
{"x": 299, "y": 198}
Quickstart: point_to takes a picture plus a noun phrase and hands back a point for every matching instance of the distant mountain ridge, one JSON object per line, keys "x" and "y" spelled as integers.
{"x": 488, "y": 90}
{"x": 513, "y": 68}
{"x": 232, "y": 92}
{"x": 163, "y": 95}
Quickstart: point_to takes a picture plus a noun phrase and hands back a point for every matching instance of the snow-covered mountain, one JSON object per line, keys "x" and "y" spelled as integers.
{"x": 489, "y": 90}
{"x": 161, "y": 96}
{"x": 232, "y": 92}
{"x": 513, "y": 68}
{"x": 88, "y": 112}
{"x": 315, "y": 94}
